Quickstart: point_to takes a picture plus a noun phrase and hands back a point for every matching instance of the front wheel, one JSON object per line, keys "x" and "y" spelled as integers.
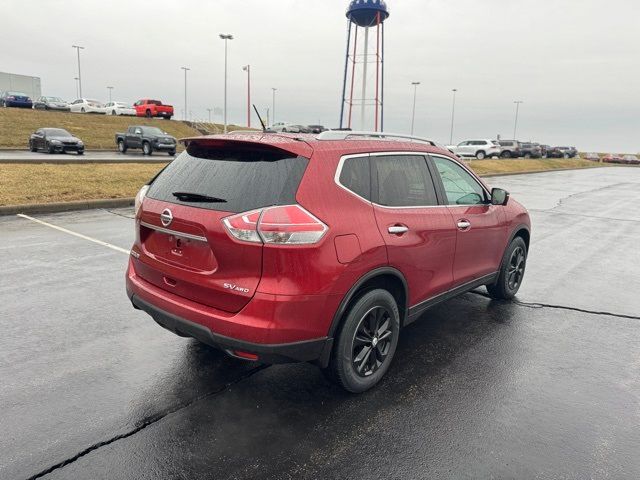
{"x": 506, "y": 154}
{"x": 146, "y": 148}
{"x": 481, "y": 155}
{"x": 147, "y": 114}
{"x": 172, "y": 153}
{"x": 511, "y": 272}
{"x": 122, "y": 148}
{"x": 32, "y": 147}
{"x": 367, "y": 342}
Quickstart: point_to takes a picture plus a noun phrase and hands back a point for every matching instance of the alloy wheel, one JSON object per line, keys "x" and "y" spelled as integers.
{"x": 515, "y": 271}
{"x": 372, "y": 341}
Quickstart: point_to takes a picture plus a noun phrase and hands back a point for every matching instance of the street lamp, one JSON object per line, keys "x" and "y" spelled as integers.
{"x": 78, "y": 48}
{"x": 273, "y": 107}
{"x": 413, "y": 116}
{"x": 247, "y": 68}
{"x": 185, "y": 89}
{"x": 110, "y": 90}
{"x": 453, "y": 113}
{"x": 226, "y": 37}
{"x": 77, "y": 91}
{"x": 209, "y": 111}
{"x": 515, "y": 125}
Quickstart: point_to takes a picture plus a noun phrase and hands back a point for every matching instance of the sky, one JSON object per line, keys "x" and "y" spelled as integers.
{"x": 574, "y": 63}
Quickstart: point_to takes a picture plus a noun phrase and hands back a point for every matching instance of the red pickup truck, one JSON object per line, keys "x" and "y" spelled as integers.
{"x": 153, "y": 108}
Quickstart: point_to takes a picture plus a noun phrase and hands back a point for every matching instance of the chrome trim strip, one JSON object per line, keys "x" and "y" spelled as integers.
{"x": 175, "y": 233}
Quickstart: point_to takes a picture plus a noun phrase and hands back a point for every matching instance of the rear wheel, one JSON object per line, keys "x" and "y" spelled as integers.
{"x": 50, "y": 148}
{"x": 82, "y": 110}
{"x": 511, "y": 272}
{"x": 146, "y": 148}
{"x": 481, "y": 155}
{"x": 172, "y": 153}
{"x": 505, "y": 154}
{"x": 366, "y": 343}
{"x": 122, "y": 148}
{"x": 527, "y": 155}
{"x": 147, "y": 114}
{"x": 566, "y": 155}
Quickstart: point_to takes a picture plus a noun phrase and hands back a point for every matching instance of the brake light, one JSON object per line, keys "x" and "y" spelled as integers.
{"x": 282, "y": 225}
{"x": 139, "y": 198}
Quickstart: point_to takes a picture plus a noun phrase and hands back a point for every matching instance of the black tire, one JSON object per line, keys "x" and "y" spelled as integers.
{"x": 113, "y": 112}
{"x": 514, "y": 262}
{"x": 527, "y": 155}
{"x": 122, "y": 147}
{"x": 80, "y": 152}
{"x": 147, "y": 149}
{"x": 172, "y": 153}
{"x": 50, "y": 149}
{"x": 372, "y": 325}
{"x": 480, "y": 155}
{"x": 168, "y": 118}
{"x": 82, "y": 110}
{"x": 32, "y": 147}
{"x": 505, "y": 154}
{"x": 147, "y": 114}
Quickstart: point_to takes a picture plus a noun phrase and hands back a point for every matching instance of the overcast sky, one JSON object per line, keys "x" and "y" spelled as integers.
{"x": 574, "y": 63}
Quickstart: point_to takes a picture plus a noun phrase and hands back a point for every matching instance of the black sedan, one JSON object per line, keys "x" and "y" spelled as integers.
{"x": 55, "y": 140}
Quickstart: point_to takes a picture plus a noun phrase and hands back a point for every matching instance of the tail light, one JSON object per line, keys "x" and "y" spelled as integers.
{"x": 282, "y": 225}
{"x": 139, "y": 197}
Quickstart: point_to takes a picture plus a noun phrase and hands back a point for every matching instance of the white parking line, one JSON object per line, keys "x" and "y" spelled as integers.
{"x": 75, "y": 234}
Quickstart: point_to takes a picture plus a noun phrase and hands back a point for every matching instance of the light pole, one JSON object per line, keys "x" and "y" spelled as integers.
{"x": 453, "y": 113}
{"x": 77, "y": 91}
{"x": 247, "y": 68}
{"x": 110, "y": 90}
{"x": 185, "y": 89}
{"x": 209, "y": 111}
{"x": 413, "y": 115}
{"x": 226, "y": 37}
{"x": 273, "y": 106}
{"x": 78, "y": 48}
{"x": 515, "y": 125}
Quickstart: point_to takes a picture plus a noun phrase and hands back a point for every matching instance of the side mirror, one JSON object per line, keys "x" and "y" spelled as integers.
{"x": 499, "y": 196}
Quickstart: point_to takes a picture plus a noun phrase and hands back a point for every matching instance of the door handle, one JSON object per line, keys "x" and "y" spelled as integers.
{"x": 398, "y": 229}
{"x": 463, "y": 224}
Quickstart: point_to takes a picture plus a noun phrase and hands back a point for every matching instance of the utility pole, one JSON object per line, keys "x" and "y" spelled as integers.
{"x": 110, "y": 90}
{"x": 77, "y": 91}
{"x": 273, "y": 106}
{"x": 209, "y": 111}
{"x": 186, "y": 69}
{"x": 453, "y": 113}
{"x": 247, "y": 68}
{"x": 413, "y": 116}
{"x": 78, "y": 48}
{"x": 515, "y": 125}
{"x": 226, "y": 37}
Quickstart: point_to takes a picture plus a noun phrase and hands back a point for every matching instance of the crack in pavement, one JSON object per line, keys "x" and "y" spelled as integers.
{"x": 558, "y": 307}
{"x": 145, "y": 424}
{"x": 551, "y": 212}
{"x": 120, "y": 214}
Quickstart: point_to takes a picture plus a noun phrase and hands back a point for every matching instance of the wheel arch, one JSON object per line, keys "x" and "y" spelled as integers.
{"x": 387, "y": 278}
{"x": 523, "y": 232}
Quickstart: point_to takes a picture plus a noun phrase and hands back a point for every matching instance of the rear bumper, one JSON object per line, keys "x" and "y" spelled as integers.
{"x": 275, "y": 328}
{"x": 305, "y": 351}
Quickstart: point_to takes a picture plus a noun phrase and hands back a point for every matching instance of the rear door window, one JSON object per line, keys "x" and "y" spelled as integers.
{"x": 403, "y": 181}
{"x": 238, "y": 180}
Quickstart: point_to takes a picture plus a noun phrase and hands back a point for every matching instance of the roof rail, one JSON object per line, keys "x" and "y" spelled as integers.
{"x": 346, "y": 134}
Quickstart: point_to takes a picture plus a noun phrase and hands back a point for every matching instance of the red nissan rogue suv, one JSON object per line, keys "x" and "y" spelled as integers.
{"x": 280, "y": 248}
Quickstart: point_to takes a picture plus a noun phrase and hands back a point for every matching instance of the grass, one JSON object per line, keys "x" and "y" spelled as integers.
{"x": 497, "y": 166}
{"x": 96, "y": 131}
{"x": 48, "y": 183}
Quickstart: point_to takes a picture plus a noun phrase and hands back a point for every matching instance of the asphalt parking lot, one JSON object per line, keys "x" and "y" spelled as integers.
{"x": 545, "y": 387}
{"x": 25, "y": 156}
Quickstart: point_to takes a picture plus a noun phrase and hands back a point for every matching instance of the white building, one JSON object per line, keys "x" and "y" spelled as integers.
{"x": 20, "y": 83}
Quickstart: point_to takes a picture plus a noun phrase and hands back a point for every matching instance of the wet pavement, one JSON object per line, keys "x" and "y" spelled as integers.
{"x": 90, "y": 156}
{"x": 544, "y": 387}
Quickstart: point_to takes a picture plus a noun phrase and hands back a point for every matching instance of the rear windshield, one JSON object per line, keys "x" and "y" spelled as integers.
{"x": 241, "y": 180}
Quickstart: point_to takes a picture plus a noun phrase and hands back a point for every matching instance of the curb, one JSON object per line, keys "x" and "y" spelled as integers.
{"x": 127, "y": 202}
{"x": 66, "y": 206}
{"x": 84, "y": 161}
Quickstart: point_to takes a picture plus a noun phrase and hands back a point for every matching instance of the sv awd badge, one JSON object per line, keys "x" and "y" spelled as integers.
{"x": 233, "y": 286}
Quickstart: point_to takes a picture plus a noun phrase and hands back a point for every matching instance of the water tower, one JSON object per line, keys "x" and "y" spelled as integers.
{"x": 364, "y": 61}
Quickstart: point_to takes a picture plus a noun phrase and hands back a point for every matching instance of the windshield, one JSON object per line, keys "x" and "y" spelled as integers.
{"x": 153, "y": 131}
{"x": 239, "y": 180}
{"x": 123, "y": 105}
{"x": 54, "y": 99}
{"x": 57, "y": 132}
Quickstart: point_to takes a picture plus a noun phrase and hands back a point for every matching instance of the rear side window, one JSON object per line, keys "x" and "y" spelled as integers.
{"x": 241, "y": 180}
{"x": 356, "y": 176}
{"x": 403, "y": 181}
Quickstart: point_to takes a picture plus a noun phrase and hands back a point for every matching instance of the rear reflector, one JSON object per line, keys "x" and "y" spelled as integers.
{"x": 282, "y": 225}
{"x": 245, "y": 355}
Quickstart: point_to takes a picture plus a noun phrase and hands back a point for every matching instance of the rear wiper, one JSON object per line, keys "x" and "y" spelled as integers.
{"x": 197, "y": 197}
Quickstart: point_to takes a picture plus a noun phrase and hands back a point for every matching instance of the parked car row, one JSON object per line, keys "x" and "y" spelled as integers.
{"x": 287, "y": 127}
{"x": 487, "y": 148}
{"x": 625, "y": 159}
{"x": 142, "y": 108}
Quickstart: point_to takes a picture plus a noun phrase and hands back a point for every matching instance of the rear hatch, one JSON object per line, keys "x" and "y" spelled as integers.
{"x": 184, "y": 246}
